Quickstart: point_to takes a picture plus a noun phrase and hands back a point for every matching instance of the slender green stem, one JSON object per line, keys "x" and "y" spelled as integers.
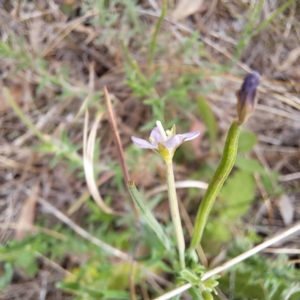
{"x": 133, "y": 64}
{"x": 175, "y": 213}
{"x": 221, "y": 174}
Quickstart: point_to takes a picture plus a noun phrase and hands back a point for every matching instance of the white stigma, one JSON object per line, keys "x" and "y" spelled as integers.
{"x": 161, "y": 130}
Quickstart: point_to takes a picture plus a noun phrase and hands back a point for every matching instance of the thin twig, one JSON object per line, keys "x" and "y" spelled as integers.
{"x": 289, "y": 177}
{"x": 277, "y": 238}
{"x": 54, "y": 265}
{"x": 80, "y": 231}
{"x": 34, "y": 229}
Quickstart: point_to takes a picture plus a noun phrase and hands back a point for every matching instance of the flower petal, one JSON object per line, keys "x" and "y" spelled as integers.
{"x": 142, "y": 143}
{"x": 189, "y": 135}
{"x": 178, "y": 139}
{"x": 156, "y": 136}
{"x": 172, "y": 143}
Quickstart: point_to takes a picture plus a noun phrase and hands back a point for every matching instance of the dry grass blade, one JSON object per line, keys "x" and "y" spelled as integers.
{"x": 282, "y": 250}
{"x": 26, "y": 218}
{"x": 118, "y": 143}
{"x": 288, "y": 177}
{"x": 286, "y": 209}
{"x": 88, "y": 160}
{"x": 116, "y": 135}
{"x": 290, "y": 60}
{"x": 179, "y": 185}
{"x": 186, "y": 8}
{"x": 6, "y": 162}
{"x": 66, "y": 31}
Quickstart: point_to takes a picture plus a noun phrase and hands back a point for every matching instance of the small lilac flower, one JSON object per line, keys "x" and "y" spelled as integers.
{"x": 164, "y": 142}
{"x": 247, "y": 96}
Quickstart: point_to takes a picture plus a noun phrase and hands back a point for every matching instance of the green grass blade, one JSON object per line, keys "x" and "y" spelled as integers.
{"x": 154, "y": 37}
{"x": 254, "y": 16}
{"x": 146, "y": 213}
{"x": 273, "y": 15}
{"x": 21, "y": 115}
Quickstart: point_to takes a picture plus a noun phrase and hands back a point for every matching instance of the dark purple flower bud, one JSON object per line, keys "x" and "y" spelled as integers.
{"x": 247, "y": 96}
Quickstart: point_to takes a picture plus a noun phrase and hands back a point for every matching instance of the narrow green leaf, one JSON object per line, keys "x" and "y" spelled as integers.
{"x": 80, "y": 289}
{"x": 272, "y": 16}
{"x": 195, "y": 292}
{"x": 190, "y": 277}
{"x": 145, "y": 211}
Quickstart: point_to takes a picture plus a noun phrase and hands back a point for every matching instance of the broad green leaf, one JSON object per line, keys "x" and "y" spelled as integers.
{"x": 27, "y": 261}
{"x": 247, "y": 141}
{"x": 249, "y": 165}
{"x": 270, "y": 181}
{"x": 7, "y": 276}
{"x": 233, "y": 202}
{"x": 269, "y": 178}
{"x": 217, "y": 230}
{"x": 146, "y": 212}
{"x": 237, "y": 194}
{"x": 208, "y": 119}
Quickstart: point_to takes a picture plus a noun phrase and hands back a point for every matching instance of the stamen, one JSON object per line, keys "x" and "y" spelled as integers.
{"x": 169, "y": 133}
